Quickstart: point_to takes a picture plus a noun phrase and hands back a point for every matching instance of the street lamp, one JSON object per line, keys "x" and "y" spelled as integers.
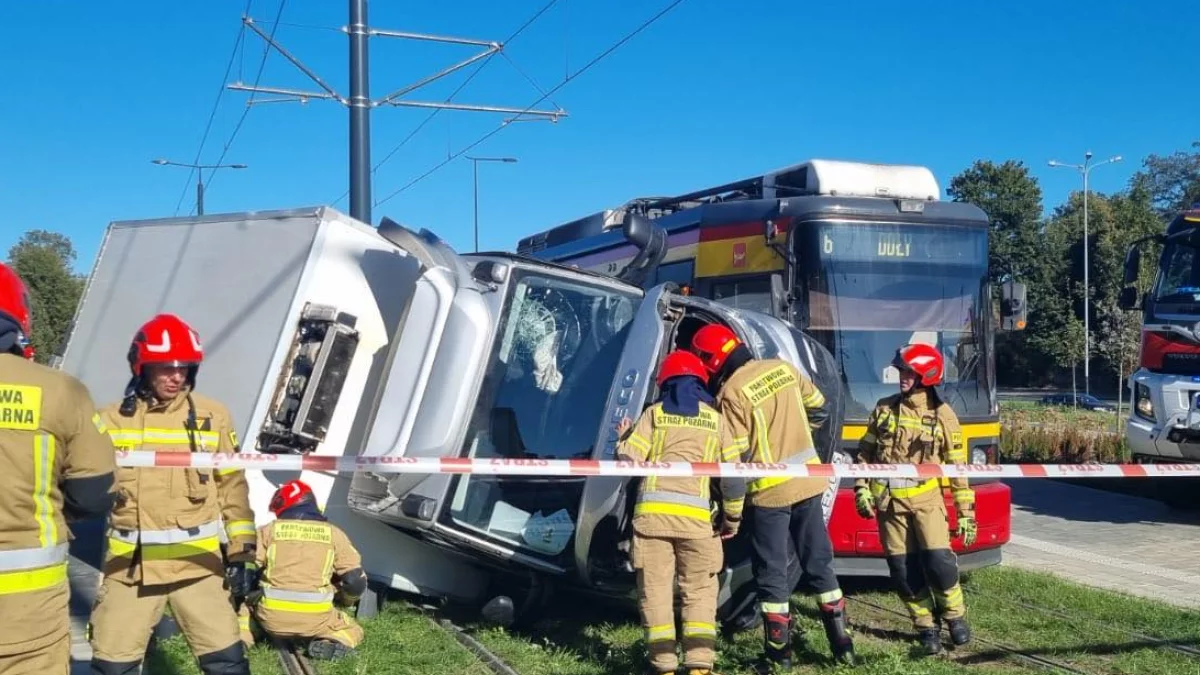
{"x": 475, "y": 166}
{"x": 199, "y": 176}
{"x": 1085, "y": 169}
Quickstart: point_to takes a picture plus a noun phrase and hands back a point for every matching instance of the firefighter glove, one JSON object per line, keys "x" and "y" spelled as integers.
{"x": 967, "y": 529}
{"x": 864, "y": 501}
{"x": 241, "y": 578}
{"x": 729, "y": 527}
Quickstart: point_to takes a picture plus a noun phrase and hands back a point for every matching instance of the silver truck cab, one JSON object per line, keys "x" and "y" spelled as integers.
{"x": 549, "y": 358}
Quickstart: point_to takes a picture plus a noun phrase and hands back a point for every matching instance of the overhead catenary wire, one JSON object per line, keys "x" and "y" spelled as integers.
{"x": 257, "y": 78}
{"x": 629, "y": 36}
{"x": 429, "y": 118}
{"x": 233, "y": 55}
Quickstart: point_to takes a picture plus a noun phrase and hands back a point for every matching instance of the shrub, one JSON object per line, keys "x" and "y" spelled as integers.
{"x": 1043, "y": 434}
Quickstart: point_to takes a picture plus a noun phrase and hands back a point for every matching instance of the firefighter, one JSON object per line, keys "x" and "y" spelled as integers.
{"x": 917, "y": 427}
{"x": 772, "y": 409}
{"x": 165, "y": 532}
{"x": 302, "y": 559}
{"x": 58, "y": 467}
{"x": 673, "y": 528}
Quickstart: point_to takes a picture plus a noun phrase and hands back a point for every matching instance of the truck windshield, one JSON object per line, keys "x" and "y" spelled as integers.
{"x": 873, "y": 287}
{"x": 557, "y": 347}
{"x": 1180, "y": 280}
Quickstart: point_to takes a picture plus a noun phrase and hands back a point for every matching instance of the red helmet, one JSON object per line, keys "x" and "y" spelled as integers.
{"x": 291, "y": 493}
{"x": 165, "y": 339}
{"x": 679, "y": 363}
{"x": 15, "y": 305}
{"x": 923, "y": 360}
{"x": 713, "y": 344}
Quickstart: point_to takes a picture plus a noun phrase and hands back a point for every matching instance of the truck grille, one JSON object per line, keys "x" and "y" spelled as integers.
{"x": 1184, "y": 364}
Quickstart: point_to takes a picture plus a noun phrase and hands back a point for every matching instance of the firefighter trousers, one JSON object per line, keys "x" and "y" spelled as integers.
{"x": 778, "y": 533}
{"x": 125, "y": 615}
{"x": 916, "y": 540}
{"x": 696, "y": 562}
{"x": 334, "y": 624}
{"x": 51, "y": 659}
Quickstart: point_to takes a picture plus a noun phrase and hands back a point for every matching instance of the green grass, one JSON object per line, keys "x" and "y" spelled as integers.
{"x": 1031, "y": 411}
{"x": 1095, "y": 636}
{"x": 400, "y": 641}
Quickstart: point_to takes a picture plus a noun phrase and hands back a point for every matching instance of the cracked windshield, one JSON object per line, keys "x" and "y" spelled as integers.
{"x": 543, "y": 398}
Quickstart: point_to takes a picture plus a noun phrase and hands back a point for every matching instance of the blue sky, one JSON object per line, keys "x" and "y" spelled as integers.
{"x": 704, "y": 96}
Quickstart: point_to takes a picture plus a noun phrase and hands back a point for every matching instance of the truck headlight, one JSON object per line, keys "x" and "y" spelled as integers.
{"x": 979, "y": 455}
{"x": 1142, "y": 405}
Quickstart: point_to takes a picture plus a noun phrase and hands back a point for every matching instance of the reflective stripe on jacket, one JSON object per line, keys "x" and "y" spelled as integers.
{"x": 51, "y": 440}
{"x": 766, "y": 403}
{"x": 299, "y": 559}
{"x": 915, "y": 429}
{"x": 678, "y": 506}
{"x": 167, "y": 524}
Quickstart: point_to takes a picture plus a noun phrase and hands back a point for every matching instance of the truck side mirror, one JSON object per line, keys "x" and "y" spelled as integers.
{"x": 1012, "y": 306}
{"x": 1128, "y": 298}
{"x": 779, "y": 298}
{"x": 1133, "y": 265}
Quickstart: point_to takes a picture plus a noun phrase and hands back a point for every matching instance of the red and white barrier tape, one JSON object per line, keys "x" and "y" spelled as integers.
{"x": 585, "y": 467}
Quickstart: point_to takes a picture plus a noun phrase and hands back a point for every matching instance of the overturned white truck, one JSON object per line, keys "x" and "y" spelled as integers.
{"x": 326, "y": 335}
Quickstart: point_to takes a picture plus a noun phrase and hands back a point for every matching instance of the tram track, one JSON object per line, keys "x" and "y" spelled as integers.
{"x": 292, "y": 660}
{"x": 1015, "y": 652}
{"x": 1161, "y": 643}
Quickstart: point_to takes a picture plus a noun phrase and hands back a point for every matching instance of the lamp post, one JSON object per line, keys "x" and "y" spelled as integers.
{"x": 199, "y": 176}
{"x": 1085, "y": 169}
{"x": 475, "y": 166}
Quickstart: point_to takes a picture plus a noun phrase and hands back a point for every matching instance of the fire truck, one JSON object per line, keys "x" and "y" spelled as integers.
{"x": 1165, "y": 421}
{"x": 864, "y": 258}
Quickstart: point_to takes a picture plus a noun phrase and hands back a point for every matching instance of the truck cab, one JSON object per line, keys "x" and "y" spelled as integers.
{"x": 1164, "y": 424}
{"x": 518, "y": 361}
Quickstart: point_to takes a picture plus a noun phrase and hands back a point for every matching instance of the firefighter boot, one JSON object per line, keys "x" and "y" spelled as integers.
{"x": 833, "y": 617}
{"x": 931, "y": 640}
{"x": 327, "y": 650}
{"x": 777, "y": 640}
{"x": 960, "y": 632}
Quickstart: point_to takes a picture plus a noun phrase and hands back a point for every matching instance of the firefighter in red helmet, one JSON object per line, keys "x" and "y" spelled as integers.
{"x": 58, "y": 467}
{"x": 916, "y": 427}
{"x": 772, "y": 409}
{"x": 307, "y": 564}
{"x": 165, "y": 532}
{"x": 672, "y": 522}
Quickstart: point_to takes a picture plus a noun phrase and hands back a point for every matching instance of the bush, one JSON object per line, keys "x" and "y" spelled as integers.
{"x": 1044, "y": 434}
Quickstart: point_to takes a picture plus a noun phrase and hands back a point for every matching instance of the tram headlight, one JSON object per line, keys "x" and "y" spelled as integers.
{"x": 979, "y": 455}
{"x": 1142, "y": 405}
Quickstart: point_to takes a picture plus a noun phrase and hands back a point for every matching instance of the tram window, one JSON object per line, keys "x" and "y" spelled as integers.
{"x": 678, "y": 272}
{"x": 751, "y": 293}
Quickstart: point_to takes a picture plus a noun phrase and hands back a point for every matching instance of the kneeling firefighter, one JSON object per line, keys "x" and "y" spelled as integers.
{"x": 917, "y": 427}
{"x": 673, "y": 530}
{"x": 771, "y": 409}
{"x": 302, "y": 557}
{"x": 164, "y": 537}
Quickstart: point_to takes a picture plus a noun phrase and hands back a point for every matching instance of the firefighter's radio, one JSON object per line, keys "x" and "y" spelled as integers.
{"x": 310, "y": 382}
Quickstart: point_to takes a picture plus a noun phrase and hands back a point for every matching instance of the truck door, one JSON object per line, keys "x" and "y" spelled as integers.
{"x": 604, "y": 496}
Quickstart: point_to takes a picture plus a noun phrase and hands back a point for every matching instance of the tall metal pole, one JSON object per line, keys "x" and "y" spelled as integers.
{"x": 475, "y": 165}
{"x": 1087, "y": 289}
{"x": 1085, "y": 169}
{"x": 360, "y": 115}
{"x": 475, "y": 168}
{"x": 199, "y": 194}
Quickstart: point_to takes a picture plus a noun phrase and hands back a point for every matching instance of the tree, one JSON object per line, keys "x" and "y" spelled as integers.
{"x": 1172, "y": 180}
{"x": 1012, "y": 199}
{"x": 43, "y": 260}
